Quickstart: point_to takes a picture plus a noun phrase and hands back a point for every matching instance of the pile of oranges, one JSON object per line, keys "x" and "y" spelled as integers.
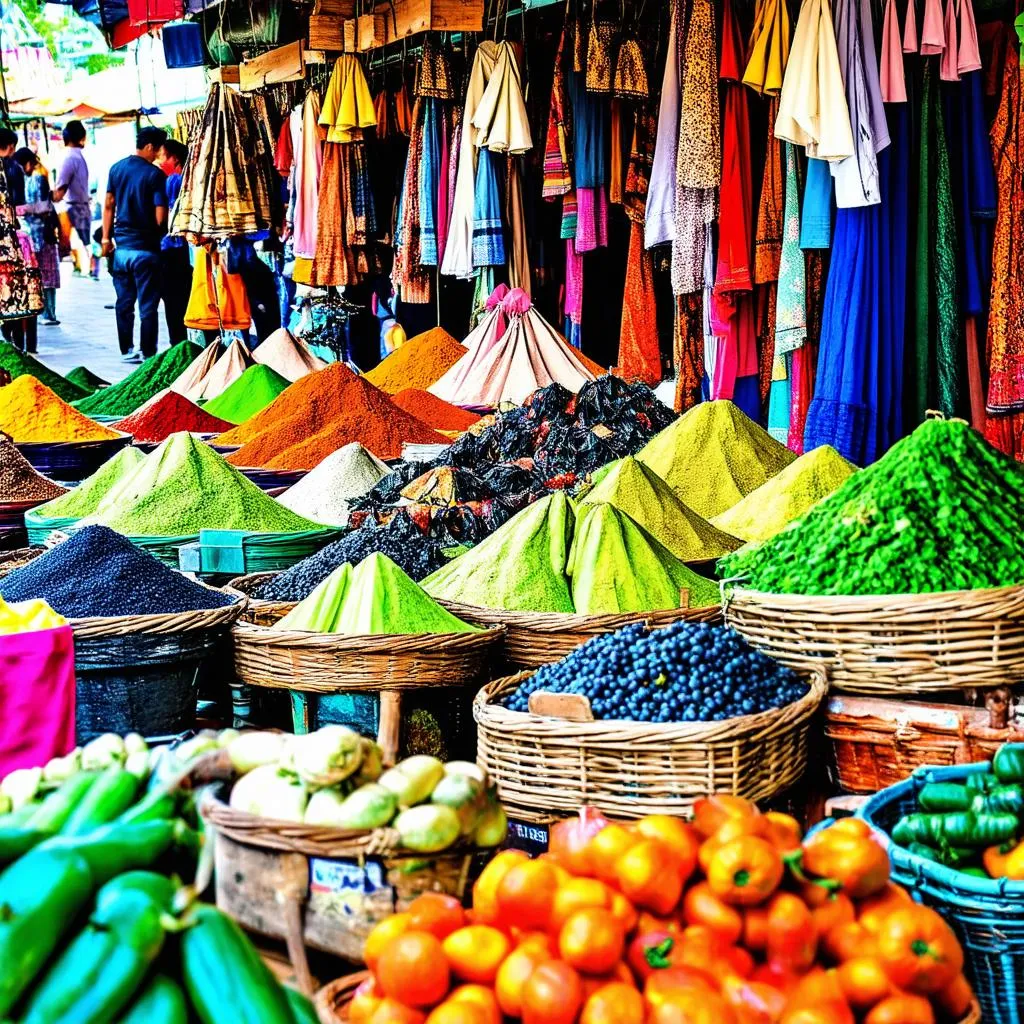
{"x": 732, "y": 918}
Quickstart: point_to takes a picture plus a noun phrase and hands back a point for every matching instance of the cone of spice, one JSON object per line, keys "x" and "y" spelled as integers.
{"x": 283, "y": 353}
{"x": 232, "y": 364}
{"x": 20, "y": 364}
{"x": 84, "y": 499}
{"x": 434, "y": 411}
{"x": 82, "y": 377}
{"x": 19, "y": 482}
{"x": 31, "y": 413}
{"x": 167, "y": 414}
{"x": 250, "y": 394}
{"x": 190, "y": 381}
{"x": 422, "y": 360}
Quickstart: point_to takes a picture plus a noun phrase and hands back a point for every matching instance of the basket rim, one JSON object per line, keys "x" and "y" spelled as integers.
{"x": 122, "y": 438}
{"x": 557, "y": 622}
{"x": 488, "y": 713}
{"x": 169, "y": 622}
{"x": 343, "y": 988}
{"x": 924, "y": 870}
{"x": 270, "y": 636}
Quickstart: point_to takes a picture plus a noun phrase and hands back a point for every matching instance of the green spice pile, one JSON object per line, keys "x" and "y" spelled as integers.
{"x": 714, "y": 456}
{"x": 18, "y": 364}
{"x": 153, "y": 376}
{"x": 183, "y": 487}
{"x": 638, "y": 491}
{"x": 941, "y": 510}
{"x": 83, "y": 500}
{"x": 376, "y": 597}
{"x": 84, "y": 378}
{"x": 788, "y": 496}
{"x": 251, "y": 393}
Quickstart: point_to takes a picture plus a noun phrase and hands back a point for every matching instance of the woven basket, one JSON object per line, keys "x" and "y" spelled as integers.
{"x": 72, "y": 460}
{"x": 332, "y": 1000}
{"x": 548, "y": 768}
{"x": 257, "y": 611}
{"x": 11, "y": 560}
{"x": 332, "y": 662}
{"x": 877, "y": 742}
{"x": 533, "y": 639}
{"x": 901, "y": 644}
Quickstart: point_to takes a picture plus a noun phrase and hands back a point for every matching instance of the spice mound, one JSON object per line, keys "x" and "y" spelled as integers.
{"x": 183, "y": 487}
{"x": 19, "y": 482}
{"x": 686, "y": 672}
{"x": 19, "y": 364}
{"x": 82, "y": 377}
{"x": 375, "y": 597}
{"x": 283, "y": 353}
{"x": 152, "y": 377}
{"x": 31, "y": 413}
{"x": 83, "y": 500}
{"x": 323, "y": 495}
{"x": 941, "y": 510}
{"x": 787, "y": 496}
{"x": 250, "y": 394}
{"x": 421, "y": 361}
{"x": 97, "y": 572}
{"x": 433, "y": 411}
{"x": 166, "y": 414}
{"x": 713, "y": 456}
{"x": 234, "y": 361}
{"x": 638, "y": 491}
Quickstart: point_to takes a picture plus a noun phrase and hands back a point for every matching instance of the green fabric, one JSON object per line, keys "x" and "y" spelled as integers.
{"x": 519, "y": 567}
{"x": 86, "y": 497}
{"x": 185, "y": 486}
{"x": 713, "y": 456}
{"x": 319, "y": 612}
{"x": 153, "y": 376}
{"x": 250, "y": 394}
{"x": 616, "y": 566}
{"x": 638, "y": 491}
{"x": 17, "y": 364}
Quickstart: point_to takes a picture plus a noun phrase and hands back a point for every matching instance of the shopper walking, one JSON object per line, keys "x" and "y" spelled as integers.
{"x": 21, "y": 332}
{"x": 73, "y": 189}
{"x": 134, "y": 222}
{"x": 174, "y": 254}
{"x": 40, "y": 221}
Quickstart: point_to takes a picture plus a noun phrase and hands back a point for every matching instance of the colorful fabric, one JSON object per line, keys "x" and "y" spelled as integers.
{"x": 893, "y": 80}
{"x": 639, "y": 352}
{"x": 659, "y": 222}
{"x": 488, "y": 234}
{"x": 791, "y": 303}
{"x": 500, "y": 117}
{"x": 769, "y": 48}
{"x": 348, "y": 106}
{"x": 429, "y": 177}
{"x": 557, "y": 176}
{"x": 638, "y": 168}
{"x": 688, "y": 350}
{"x": 768, "y": 234}
{"x": 592, "y": 219}
{"x": 816, "y": 216}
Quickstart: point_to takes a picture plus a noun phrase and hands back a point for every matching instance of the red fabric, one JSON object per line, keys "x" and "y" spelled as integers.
{"x": 154, "y": 12}
{"x": 639, "y": 352}
{"x": 801, "y": 390}
{"x": 284, "y": 154}
{"x": 37, "y": 697}
{"x": 124, "y": 32}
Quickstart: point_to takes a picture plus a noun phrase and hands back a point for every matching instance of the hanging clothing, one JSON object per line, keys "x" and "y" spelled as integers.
{"x": 591, "y": 219}
{"x": 768, "y": 234}
{"x": 812, "y": 105}
{"x": 500, "y": 117}
{"x": 816, "y": 216}
{"x": 412, "y": 283}
{"x": 518, "y": 249}
{"x": 557, "y": 174}
{"x": 892, "y": 75}
{"x": 308, "y": 148}
{"x": 769, "y": 48}
{"x": 639, "y": 353}
{"x": 590, "y": 133}
{"x": 573, "y": 294}
{"x": 638, "y": 167}
{"x": 218, "y": 300}
{"x": 348, "y": 106}
{"x": 791, "y": 302}
{"x": 659, "y": 223}
{"x": 488, "y": 233}
{"x": 688, "y": 350}
{"x": 429, "y": 177}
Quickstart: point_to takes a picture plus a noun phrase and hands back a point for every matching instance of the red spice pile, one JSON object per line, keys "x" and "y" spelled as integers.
{"x": 434, "y": 411}
{"x": 166, "y": 414}
{"x": 319, "y": 414}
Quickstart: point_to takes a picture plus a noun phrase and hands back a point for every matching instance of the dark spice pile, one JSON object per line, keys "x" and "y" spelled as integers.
{"x": 97, "y": 572}
{"x": 19, "y": 481}
{"x": 551, "y": 442}
{"x": 168, "y": 414}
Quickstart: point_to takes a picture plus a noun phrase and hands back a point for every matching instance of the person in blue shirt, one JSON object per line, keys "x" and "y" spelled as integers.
{"x": 134, "y": 222}
{"x": 174, "y": 255}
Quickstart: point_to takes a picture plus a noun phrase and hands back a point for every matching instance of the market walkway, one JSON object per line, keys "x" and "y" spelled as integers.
{"x": 87, "y": 334}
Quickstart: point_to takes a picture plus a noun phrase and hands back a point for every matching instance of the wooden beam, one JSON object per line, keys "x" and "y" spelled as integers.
{"x": 284, "y": 64}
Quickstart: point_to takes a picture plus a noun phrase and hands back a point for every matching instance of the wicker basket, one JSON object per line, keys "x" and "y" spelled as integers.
{"x": 11, "y": 560}
{"x": 877, "y": 742}
{"x": 333, "y": 662}
{"x": 332, "y": 1000}
{"x": 258, "y": 611}
{"x": 901, "y": 644}
{"x": 533, "y": 639}
{"x": 548, "y": 768}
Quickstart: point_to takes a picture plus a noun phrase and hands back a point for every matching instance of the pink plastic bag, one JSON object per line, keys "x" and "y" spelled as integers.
{"x": 37, "y": 697}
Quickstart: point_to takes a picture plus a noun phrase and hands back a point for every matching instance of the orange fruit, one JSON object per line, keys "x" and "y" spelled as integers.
{"x": 614, "y": 1004}
{"x": 650, "y": 875}
{"x": 485, "y": 890}
{"x": 578, "y": 894}
{"x": 413, "y": 969}
{"x": 604, "y": 850}
{"x": 541, "y": 942}
{"x": 381, "y": 937}
{"x": 683, "y": 839}
{"x": 863, "y": 981}
{"x": 513, "y": 975}
{"x": 457, "y": 1013}
{"x": 436, "y": 913}
{"x": 526, "y": 894}
{"x": 592, "y": 940}
{"x": 390, "y": 1011}
{"x": 480, "y": 996}
{"x": 365, "y": 1001}
{"x": 475, "y": 952}
{"x": 553, "y": 994}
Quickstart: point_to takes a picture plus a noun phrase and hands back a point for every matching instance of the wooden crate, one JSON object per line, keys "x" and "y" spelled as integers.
{"x": 371, "y": 31}
{"x": 878, "y": 741}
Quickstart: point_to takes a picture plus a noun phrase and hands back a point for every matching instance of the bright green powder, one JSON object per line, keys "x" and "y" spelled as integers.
{"x": 17, "y": 364}
{"x": 86, "y": 497}
{"x": 942, "y": 510}
{"x": 376, "y": 597}
{"x": 638, "y": 491}
{"x": 250, "y": 394}
{"x": 714, "y": 456}
{"x": 152, "y": 377}
{"x": 787, "y": 496}
{"x": 85, "y": 379}
{"x": 519, "y": 567}
{"x": 184, "y": 486}
{"x": 617, "y": 566}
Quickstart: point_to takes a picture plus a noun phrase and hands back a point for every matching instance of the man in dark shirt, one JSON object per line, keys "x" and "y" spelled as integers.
{"x": 174, "y": 255}
{"x": 134, "y": 221}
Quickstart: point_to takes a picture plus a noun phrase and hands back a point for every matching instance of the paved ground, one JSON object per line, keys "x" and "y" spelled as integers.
{"x": 87, "y": 334}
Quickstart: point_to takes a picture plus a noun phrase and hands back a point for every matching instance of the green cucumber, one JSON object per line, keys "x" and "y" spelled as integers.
{"x": 225, "y": 978}
{"x": 303, "y": 1011}
{"x": 15, "y": 842}
{"x": 160, "y": 1002}
{"x": 955, "y": 829}
{"x": 157, "y": 803}
{"x": 112, "y": 849}
{"x": 102, "y": 968}
{"x": 15, "y": 819}
{"x": 1000, "y": 799}
{"x": 981, "y": 782}
{"x": 944, "y": 796}
{"x": 1008, "y": 763}
{"x": 108, "y": 797}
{"x": 159, "y": 888}
{"x": 61, "y": 803}
{"x": 42, "y": 894}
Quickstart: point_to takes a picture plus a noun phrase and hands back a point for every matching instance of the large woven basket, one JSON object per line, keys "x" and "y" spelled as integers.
{"x": 332, "y": 662}
{"x": 533, "y": 639}
{"x": 901, "y": 644}
{"x": 548, "y": 768}
{"x": 257, "y": 610}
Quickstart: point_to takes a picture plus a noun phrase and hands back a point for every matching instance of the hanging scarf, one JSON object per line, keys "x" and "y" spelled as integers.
{"x": 688, "y": 350}
{"x": 638, "y": 169}
{"x": 659, "y": 224}
{"x": 557, "y": 176}
{"x": 515, "y": 216}
{"x": 500, "y": 117}
{"x": 791, "y": 304}
{"x": 769, "y": 48}
{"x": 411, "y": 281}
{"x": 428, "y": 178}
{"x": 768, "y": 236}
{"x": 488, "y": 237}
